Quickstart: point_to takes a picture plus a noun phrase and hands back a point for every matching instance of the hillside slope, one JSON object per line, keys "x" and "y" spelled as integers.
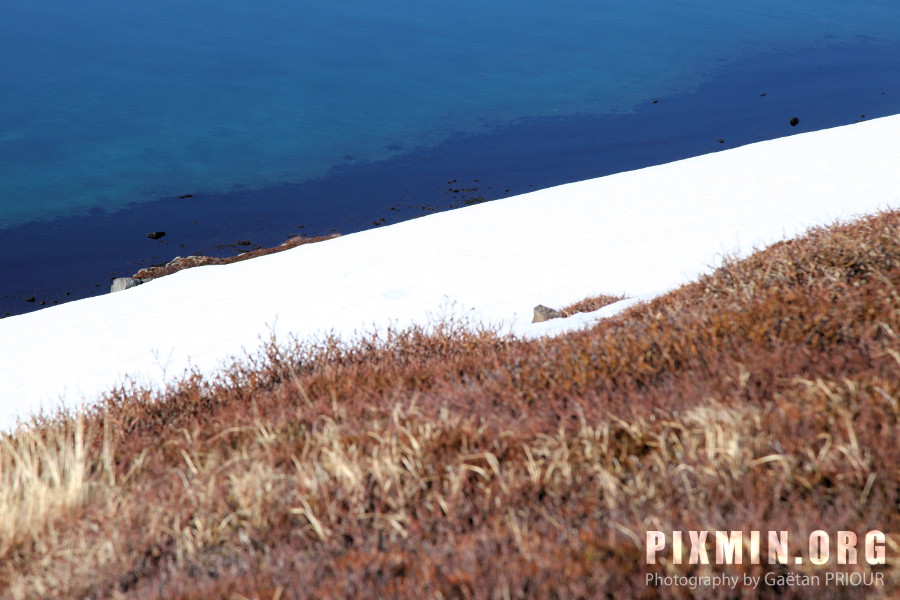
{"x": 459, "y": 462}
{"x": 634, "y": 233}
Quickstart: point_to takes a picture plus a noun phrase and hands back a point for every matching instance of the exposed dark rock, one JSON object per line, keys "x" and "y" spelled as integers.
{"x": 794, "y": 121}
{"x": 186, "y": 196}
{"x": 31, "y": 299}
{"x": 155, "y": 235}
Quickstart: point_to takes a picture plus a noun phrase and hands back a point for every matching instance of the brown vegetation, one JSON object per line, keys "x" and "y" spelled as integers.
{"x": 454, "y": 462}
{"x": 590, "y": 304}
{"x": 188, "y": 262}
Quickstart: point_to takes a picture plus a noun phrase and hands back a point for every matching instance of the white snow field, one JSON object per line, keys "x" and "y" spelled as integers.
{"x": 639, "y": 233}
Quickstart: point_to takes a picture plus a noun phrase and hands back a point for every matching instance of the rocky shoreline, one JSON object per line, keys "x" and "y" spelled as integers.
{"x": 180, "y": 263}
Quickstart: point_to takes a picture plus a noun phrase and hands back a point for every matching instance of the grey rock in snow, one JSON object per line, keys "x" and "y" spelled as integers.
{"x": 545, "y": 313}
{"x": 124, "y": 283}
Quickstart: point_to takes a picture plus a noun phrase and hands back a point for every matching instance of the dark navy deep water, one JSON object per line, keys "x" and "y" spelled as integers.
{"x": 289, "y": 116}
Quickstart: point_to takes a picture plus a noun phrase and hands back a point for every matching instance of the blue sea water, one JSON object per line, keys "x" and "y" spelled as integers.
{"x": 109, "y": 106}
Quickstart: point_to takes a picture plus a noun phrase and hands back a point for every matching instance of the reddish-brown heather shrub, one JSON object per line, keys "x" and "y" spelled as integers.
{"x": 190, "y": 262}
{"x": 456, "y": 462}
{"x": 590, "y": 304}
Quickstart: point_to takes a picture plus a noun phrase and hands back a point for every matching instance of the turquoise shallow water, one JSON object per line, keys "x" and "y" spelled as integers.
{"x": 106, "y": 103}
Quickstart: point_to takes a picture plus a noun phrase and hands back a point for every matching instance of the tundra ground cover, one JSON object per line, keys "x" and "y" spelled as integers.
{"x": 458, "y": 462}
